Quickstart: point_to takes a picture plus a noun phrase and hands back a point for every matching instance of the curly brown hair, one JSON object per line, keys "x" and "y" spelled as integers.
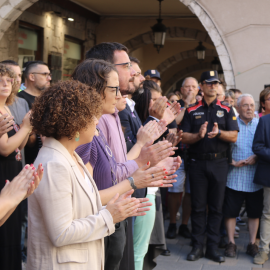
{"x": 65, "y": 108}
{"x": 6, "y": 71}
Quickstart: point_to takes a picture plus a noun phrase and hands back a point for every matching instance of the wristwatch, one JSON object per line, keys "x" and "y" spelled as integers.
{"x": 219, "y": 133}
{"x": 131, "y": 181}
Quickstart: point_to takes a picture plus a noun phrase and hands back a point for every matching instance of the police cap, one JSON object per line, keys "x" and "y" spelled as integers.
{"x": 210, "y": 76}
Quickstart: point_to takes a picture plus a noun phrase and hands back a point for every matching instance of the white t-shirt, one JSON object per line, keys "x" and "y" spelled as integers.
{"x": 86, "y": 178}
{"x": 152, "y": 190}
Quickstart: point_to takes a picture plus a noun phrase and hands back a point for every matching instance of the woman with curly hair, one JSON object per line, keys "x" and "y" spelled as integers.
{"x": 66, "y": 220}
{"x": 10, "y": 165}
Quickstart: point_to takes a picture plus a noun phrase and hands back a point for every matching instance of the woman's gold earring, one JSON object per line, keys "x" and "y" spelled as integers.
{"x": 77, "y": 136}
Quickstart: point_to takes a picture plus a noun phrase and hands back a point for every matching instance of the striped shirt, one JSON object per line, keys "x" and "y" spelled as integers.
{"x": 241, "y": 179}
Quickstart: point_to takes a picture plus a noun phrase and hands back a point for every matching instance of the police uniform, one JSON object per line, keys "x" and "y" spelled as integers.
{"x": 208, "y": 168}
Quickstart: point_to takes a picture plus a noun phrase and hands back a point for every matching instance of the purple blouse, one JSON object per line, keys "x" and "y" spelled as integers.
{"x": 100, "y": 156}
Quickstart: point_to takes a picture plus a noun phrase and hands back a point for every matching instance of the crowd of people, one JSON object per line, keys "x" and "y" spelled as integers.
{"x": 90, "y": 167}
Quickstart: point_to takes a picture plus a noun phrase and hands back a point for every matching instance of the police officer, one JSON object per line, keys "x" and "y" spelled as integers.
{"x": 208, "y": 127}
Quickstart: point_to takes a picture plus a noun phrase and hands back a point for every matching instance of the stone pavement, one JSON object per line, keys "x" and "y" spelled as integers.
{"x": 179, "y": 248}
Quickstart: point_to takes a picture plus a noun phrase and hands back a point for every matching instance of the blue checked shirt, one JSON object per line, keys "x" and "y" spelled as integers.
{"x": 241, "y": 179}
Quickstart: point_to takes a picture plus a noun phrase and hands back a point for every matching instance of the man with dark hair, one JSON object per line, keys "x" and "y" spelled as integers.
{"x": 105, "y": 51}
{"x": 37, "y": 77}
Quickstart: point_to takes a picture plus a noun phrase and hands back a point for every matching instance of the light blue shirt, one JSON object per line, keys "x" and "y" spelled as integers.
{"x": 241, "y": 179}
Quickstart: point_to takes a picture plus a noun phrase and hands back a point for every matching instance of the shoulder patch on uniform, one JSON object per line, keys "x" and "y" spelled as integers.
{"x": 195, "y": 107}
{"x": 191, "y": 105}
{"x": 223, "y": 106}
{"x": 226, "y": 103}
{"x": 234, "y": 118}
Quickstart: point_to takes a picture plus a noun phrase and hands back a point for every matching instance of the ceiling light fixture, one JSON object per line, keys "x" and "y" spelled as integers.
{"x": 71, "y": 19}
{"x": 200, "y": 51}
{"x": 159, "y": 31}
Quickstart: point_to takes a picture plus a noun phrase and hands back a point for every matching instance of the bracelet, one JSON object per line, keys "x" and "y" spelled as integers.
{"x": 131, "y": 181}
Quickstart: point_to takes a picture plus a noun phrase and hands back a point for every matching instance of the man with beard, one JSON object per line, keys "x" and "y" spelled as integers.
{"x": 37, "y": 77}
{"x": 129, "y": 117}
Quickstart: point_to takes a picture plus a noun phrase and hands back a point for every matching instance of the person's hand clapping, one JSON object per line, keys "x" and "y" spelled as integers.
{"x": 158, "y": 108}
{"x": 6, "y": 124}
{"x": 145, "y": 133}
{"x": 26, "y": 121}
{"x": 123, "y": 207}
{"x": 214, "y": 131}
{"x": 23, "y": 185}
{"x": 171, "y": 112}
{"x": 153, "y": 177}
{"x": 203, "y": 130}
{"x": 155, "y": 152}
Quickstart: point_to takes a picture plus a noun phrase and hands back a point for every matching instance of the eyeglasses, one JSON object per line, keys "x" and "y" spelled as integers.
{"x": 9, "y": 81}
{"x": 210, "y": 83}
{"x": 128, "y": 64}
{"x": 46, "y": 74}
{"x": 248, "y": 105}
{"x": 117, "y": 89}
{"x": 137, "y": 74}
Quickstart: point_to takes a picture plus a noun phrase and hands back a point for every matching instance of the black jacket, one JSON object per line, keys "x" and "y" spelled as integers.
{"x": 261, "y": 148}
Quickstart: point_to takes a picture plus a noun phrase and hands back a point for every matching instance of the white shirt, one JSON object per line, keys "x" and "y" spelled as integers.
{"x": 235, "y": 112}
{"x": 86, "y": 178}
{"x": 131, "y": 103}
{"x": 152, "y": 190}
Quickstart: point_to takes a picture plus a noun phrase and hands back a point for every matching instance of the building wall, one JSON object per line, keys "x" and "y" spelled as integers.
{"x": 9, "y": 43}
{"x": 55, "y": 28}
{"x": 244, "y": 28}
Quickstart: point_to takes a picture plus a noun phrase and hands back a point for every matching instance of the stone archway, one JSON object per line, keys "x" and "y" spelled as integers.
{"x": 216, "y": 38}
{"x": 180, "y": 57}
{"x": 172, "y": 32}
{"x": 10, "y": 10}
{"x": 184, "y": 73}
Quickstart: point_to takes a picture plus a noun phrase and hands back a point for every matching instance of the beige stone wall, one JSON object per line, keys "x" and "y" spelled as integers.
{"x": 55, "y": 28}
{"x": 9, "y": 43}
{"x": 243, "y": 27}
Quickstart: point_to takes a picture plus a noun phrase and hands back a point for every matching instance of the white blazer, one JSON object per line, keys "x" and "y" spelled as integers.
{"x": 66, "y": 220}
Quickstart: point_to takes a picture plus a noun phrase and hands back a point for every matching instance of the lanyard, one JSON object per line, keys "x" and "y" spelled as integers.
{"x": 108, "y": 152}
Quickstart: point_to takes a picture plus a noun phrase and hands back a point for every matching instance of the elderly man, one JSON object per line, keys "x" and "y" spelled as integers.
{"x": 240, "y": 186}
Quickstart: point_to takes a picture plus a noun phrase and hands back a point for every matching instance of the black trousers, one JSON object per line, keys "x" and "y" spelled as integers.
{"x": 114, "y": 245}
{"x": 207, "y": 183}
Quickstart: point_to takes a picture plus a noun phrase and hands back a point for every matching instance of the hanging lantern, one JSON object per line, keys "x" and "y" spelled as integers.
{"x": 221, "y": 75}
{"x": 159, "y": 31}
{"x": 200, "y": 52}
{"x": 216, "y": 64}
